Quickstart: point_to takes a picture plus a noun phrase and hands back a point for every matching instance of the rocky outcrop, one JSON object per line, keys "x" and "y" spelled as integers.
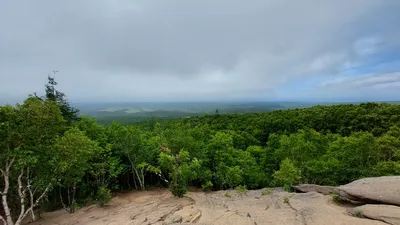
{"x": 386, "y": 213}
{"x": 305, "y": 188}
{"x": 384, "y": 190}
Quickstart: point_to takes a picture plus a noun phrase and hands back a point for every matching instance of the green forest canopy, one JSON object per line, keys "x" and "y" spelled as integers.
{"x": 51, "y": 158}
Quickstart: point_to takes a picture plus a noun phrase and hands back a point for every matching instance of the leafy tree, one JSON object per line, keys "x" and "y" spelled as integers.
{"x": 69, "y": 113}
{"x": 75, "y": 151}
{"x": 27, "y": 136}
{"x": 287, "y": 175}
{"x": 181, "y": 169}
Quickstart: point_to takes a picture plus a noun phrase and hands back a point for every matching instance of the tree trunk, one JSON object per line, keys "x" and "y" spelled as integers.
{"x": 142, "y": 173}
{"x": 21, "y": 193}
{"x": 73, "y": 199}
{"x": 138, "y": 177}
{"x": 134, "y": 180}
{"x": 5, "y": 192}
{"x": 61, "y": 200}
{"x": 33, "y": 216}
{"x": 22, "y": 216}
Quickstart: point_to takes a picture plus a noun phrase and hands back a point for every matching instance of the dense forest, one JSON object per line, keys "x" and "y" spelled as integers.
{"x": 52, "y": 158}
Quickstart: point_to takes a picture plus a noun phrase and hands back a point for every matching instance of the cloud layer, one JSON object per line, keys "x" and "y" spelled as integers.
{"x": 198, "y": 50}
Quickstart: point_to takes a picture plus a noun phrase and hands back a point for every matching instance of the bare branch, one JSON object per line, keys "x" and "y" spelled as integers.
{"x": 2, "y": 172}
{"x": 34, "y": 191}
{"x": 26, "y": 213}
{"x": 9, "y": 165}
{"x": 41, "y": 196}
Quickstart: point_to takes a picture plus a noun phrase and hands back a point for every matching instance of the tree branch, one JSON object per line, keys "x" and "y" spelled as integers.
{"x": 9, "y": 165}
{"x": 24, "y": 214}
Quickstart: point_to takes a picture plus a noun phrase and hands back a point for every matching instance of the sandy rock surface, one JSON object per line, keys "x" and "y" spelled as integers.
{"x": 325, "y": 190}
{"x": 387, "y": 213}
{"x": 373, "y": 190}
{"x": 259, "y": 207}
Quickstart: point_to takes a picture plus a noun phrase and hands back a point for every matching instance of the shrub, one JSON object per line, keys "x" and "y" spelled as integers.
{"x": 241, "y": 189}
{"x": 266, "y": 192}
{"x": 103, "y": 196}
{"x": 228, "y": 195}
{"x": 207, "y": 186}
{"x": 358, "y": 213}
{"x": 336, "y": 198}
{"x": 286, "y": 187}
{"x": 178, "y": 190}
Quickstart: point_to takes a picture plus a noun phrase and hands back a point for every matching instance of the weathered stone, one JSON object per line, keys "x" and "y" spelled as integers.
{"x": 325, "y": 190}
{"x": 387, "y": 213}
{"x": 373, "y": 190}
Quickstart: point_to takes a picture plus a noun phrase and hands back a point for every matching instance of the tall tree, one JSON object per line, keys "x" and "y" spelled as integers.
{"x": 69, "y": 113}
{"x": 26, "y": 139}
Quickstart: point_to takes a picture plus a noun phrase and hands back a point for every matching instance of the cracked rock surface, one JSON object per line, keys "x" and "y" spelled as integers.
{"x": 159, "y": 207}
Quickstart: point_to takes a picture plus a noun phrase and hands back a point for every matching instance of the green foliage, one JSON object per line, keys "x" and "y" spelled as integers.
{"x": 241, "y": 189}
{"x": 81, "y": 160}
{"x": 336, "y": 198}
{"x": 227, "y": 195}
{"x": 207, "y": 186}
{"x": 359, "y": 213}
{"x": 287, "y": 175}
{"x": 69, "y": 113}
{"x": 178, "y": 189}
{"x": 103, "y": 196}
{"x": 266, "y": 192}
{"x": 181, "y": 170}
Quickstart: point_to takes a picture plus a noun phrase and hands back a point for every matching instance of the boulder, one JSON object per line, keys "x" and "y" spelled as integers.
{"x": 325, "y": 190}
{"x": 387, "y": 213}
{"x": 384, "y": 190}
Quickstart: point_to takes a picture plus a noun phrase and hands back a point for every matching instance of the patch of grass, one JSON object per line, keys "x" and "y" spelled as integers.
{"x": 286, "y": 200}
{"x": 207, "y": 186}
{"x": 241, "y": 189}
{"x": 336, "y": 198}
{"x": 228, "y": 195}
{"x": 359, "y": 213}
{"x": 266, "y": 192}
{"x": 287, "y": 187}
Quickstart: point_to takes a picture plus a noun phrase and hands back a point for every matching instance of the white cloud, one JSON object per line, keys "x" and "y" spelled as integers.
{"x": 175, "y": 50}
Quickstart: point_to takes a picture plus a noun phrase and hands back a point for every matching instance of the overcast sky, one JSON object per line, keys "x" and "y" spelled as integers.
{"x": 180, "y": 50}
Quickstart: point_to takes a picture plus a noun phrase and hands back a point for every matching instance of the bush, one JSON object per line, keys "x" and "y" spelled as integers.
{"x": 336, "y": 198}
{"x": 207, "y": 186}
{"x": 241, "y": 189}
{"x": 359, "y": 213}
{"x": 178, "y": 190}
{"x": 266, "y": 192}
{"x": 103, "y": 196}
{"x": 287, "y": 188}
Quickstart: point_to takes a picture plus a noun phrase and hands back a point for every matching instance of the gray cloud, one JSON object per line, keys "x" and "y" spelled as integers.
{"x": 186, "y": 50}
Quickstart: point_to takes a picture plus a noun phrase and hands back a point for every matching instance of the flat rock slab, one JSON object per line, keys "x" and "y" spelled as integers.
{"x": 384, "y": 190}
{"x": 387, "y": 213}
{"x": 305, "y": 188}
